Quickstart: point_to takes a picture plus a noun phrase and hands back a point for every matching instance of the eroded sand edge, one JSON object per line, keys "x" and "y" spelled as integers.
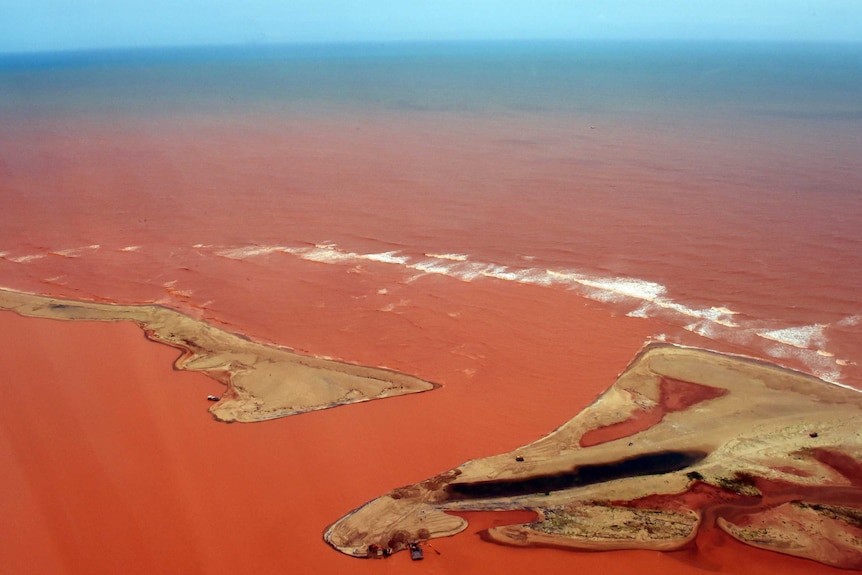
{"x": 684, "y": 438}
{"x": 263, "y": 382}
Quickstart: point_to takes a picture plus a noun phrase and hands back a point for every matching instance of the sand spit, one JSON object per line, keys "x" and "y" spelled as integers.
{"x": 263, "y": 382}
{"x": 683, "y": 439}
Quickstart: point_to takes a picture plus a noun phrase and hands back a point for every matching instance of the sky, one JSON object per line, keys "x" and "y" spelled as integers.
{"x": 53, "y": 25}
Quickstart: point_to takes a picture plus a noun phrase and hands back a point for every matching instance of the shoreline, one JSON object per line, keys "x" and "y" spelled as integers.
{"x": 102, "y": 414}
{"x": 262, "y": 381}
{"x": 737, "y": 432}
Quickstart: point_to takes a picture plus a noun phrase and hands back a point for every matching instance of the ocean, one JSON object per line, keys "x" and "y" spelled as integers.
{"x": 511, "y": 220}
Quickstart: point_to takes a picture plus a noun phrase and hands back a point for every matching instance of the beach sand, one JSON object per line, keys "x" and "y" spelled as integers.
{"x": 691, "y": 435}
{"x": 263, "y": 382}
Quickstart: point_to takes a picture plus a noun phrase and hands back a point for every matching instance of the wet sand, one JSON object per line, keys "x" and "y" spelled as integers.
{"x": 263, "y": 382}
{"x": 725, "y": 437}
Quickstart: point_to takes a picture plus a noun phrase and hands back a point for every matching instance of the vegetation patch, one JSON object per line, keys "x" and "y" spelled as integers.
{"x": 616, "y": 522}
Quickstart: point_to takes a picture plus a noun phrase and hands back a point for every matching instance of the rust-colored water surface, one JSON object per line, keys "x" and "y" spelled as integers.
{"x": 515, "y": 237}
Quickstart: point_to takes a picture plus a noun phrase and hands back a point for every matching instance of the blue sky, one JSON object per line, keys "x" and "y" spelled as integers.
{"x": 48, "y": 25}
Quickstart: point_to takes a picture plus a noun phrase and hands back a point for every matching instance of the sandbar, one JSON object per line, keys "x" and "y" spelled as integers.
{"x": 685, "y": 438}
{"x": 262, "y": 381}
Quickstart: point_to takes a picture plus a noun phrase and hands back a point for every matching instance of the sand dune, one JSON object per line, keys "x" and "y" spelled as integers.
{"x": 684, "y": 438}
{"x": 263, "y": 381}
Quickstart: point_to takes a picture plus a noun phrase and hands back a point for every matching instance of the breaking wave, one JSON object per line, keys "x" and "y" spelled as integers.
{"x": 644, "y": 299}
{"x": 75, "y": 252}
{"x": 25, "y": 259}
{"x": 803, "y": 337}
{"x": 640, "y": 298}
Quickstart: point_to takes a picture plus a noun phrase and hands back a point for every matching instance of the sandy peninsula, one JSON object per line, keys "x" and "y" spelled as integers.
{"x": 684, "y": 439}
{"x": 262, "y": 381}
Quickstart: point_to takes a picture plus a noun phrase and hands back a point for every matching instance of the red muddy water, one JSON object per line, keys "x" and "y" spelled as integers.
{"x": 110, "y": 462}
{"x": 675, "y": 395}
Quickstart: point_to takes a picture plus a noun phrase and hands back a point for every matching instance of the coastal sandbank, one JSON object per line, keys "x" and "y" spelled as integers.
{"x": 684, "y": 438}
{"x": 262, "y": 381}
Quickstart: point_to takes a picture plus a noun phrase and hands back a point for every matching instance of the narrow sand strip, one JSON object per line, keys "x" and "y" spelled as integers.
{"x": 263, "y": 382}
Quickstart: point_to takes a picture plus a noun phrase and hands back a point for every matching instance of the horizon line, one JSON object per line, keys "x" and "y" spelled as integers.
{"x": 71, "y": 51}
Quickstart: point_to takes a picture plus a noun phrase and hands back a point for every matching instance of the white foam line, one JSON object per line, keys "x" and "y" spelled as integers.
{"x": 505, "y": 274}
{"x": 702, "y": 328}
{"x": 130, "y": 249}
{"x": 460, "y": 267}
{"x": 716, "y": 322}
{"x": 650, "y": 293}
{"x": 839, "y": 384}
{"x": 626, "y": 287}
{"x": 725, "y": 311}
{"x": 802, "y": 337}
{"x": 322, "y": 253}
{"x": 452, "y": 257}
{"x": 434, "y": 266}
{"x": 76, "y": 252}
{"x": 26, "y": 259}
{"x": 386, "y": 258}
{"x": 330, "y": 254}
{"x": 713, "y": 314}
{"x": 247, "y": 251}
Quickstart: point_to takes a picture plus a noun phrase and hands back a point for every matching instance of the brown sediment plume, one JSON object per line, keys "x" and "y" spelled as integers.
{"x": 263, "y": 381}
{"x": 768, "y": 454}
